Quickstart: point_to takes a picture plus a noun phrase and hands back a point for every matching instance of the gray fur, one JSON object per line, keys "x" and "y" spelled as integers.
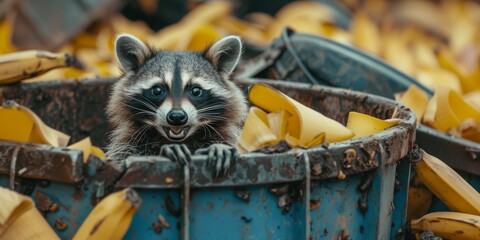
{"x": 131, "y": 136}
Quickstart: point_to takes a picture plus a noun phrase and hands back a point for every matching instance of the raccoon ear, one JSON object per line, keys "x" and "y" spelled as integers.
{"x": 225, "y": 54}
{"x": 131, "y": 52}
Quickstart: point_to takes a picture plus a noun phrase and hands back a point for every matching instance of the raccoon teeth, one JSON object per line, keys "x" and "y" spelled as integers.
{"x": 176, "y": 132}
{"x": 178, "y": 135}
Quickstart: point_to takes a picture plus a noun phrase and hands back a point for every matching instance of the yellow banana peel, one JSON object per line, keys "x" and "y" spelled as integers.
{"x": 419, "y": 202}
{"x": 468, "y": 129}
{"x": 85, "y": 145}
{"x": 303, "y": 16}
{"x": 473, "y": 98}
{"x": 19, "y": 219}
{"x": 429, "y": 115}
{"x": 364, "y": 125}
{"x": 434, "y": 78}
{"x": 278, "y": 123}
{"x": 469, "y": 78}
{"x": 447, "y": 185}
{"x": 120, "y": 24}
{"x": 415, "y": 99}
{"x": 453, "y": 111}
{"x": 365, "y": 33}
{"x": 20, "y": 124}
{"x": 207, "y": 12}
{"x": 300, "y": 126}
{"x": 256, "y": 132}
{"x": 6, "y": 45}
{"x": 111, "y": 218}
{"x": 424, "y": 54}
{"x": 22, "y": 65}
{"x": 305, "y": 123}
{"x": 448, "y": 225}
{"x": 395, "y": 51}
{"x": 202, "y": 37}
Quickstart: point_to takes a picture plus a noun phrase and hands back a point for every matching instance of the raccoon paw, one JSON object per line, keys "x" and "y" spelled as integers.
{"x": 176, "y": 152}
{"x": 220, "y": 156}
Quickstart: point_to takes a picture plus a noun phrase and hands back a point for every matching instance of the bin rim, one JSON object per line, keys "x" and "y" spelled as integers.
{"x": 252, "y": 168}
{"x": 383, "y": 148}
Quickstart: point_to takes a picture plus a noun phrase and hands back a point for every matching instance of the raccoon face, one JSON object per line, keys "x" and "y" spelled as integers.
{"x": 180, "y": 94}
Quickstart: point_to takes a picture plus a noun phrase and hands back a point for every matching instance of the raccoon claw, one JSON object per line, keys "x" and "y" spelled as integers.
{"x": 220, "y": 156}
{"x": 176, "y": 152}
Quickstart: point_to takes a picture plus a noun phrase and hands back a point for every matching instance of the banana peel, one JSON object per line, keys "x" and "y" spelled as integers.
{"x": 305, "y": 123}
{"x": 419, "y": 202}
{"x": 415, "y": 99}
{"x": 202, "y": 37}
{"x": 302, "y": 16}
{"x": 453, "y": 111}
{"x": 85, "y": 145}
{"x": 456, "y": 116}
{"x": 365, "y": 33}
{"x": 434, "y": 78}
{"x": 364, "y": 125}
{"x": 19, "y": 219}
{"x": 473, "y": 98}
{"x": 6, "y": 32}
{"x": 195, "y": 26}
{"x": 276, "y": 117}
{"x": 447, "y": 185}
{"x": 20, "y": 124}
{"x": 256, "y": 132}
{"x": 448, "y": 225}
{"x": 469, "y": 78}
{"x": 111, "y": 217}
{"x": 394, "y": 50}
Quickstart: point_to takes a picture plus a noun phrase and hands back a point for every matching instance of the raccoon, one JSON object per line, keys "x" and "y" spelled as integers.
{"x": 173, "y": 103}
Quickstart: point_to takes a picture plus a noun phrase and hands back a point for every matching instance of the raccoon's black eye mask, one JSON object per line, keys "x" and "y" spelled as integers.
{"x": 197, "y": 95}
{"x": 156, "y": 94}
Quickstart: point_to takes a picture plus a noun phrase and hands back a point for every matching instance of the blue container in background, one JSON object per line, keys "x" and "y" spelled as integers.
{"x": 312, "y": 59}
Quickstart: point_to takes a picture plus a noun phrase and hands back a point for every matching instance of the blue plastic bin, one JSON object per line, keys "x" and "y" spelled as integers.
{"x": 310, "y": 199}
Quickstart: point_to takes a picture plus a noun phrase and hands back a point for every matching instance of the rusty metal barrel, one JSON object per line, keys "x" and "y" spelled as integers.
{"x": 318, "y": 193}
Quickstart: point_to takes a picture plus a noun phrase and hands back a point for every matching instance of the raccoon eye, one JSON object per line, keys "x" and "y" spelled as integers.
{"x": 156, "y": 90}
{"x": 196, "y": 91}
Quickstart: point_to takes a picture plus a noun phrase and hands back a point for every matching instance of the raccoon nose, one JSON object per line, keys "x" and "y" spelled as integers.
{"x": 177, "y": 117}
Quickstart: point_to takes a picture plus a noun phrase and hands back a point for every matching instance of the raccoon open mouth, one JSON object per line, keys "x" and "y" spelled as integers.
{"x": 176, "y": 133}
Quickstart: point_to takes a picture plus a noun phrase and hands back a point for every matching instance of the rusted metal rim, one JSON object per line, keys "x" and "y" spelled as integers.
{"x": 41, "y": 162}
{"x": 334, "y": 161}
{"x": 65, "y": 165}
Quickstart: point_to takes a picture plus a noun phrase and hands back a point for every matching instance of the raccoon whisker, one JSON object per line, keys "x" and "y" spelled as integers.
{"x": 134, "y": 139}
{"x": 214, "y": 118}
{"x": 205, "y": 129}
{"x": 215, "y": 130}
{"x": 137, "y": 136}
{"x": 207, "y": 103}
{"x": 216, "y": 115}
{"x": 120, "y": 153}
{"x": 150, "y": 106}
{"x": 138, "y": 131}
{"x": 139, "y": 109}
{"x": 140, "y": 137}
{"x": 210, "y": 103}
{"x": 212, "y": 107}
{"x": 142, "y": 113}
{"x": 150, "y": 103}
{"x": 146, "y": 103}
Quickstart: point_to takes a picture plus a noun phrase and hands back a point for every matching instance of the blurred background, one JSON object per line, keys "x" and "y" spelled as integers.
{"x": 436, "y": 42}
